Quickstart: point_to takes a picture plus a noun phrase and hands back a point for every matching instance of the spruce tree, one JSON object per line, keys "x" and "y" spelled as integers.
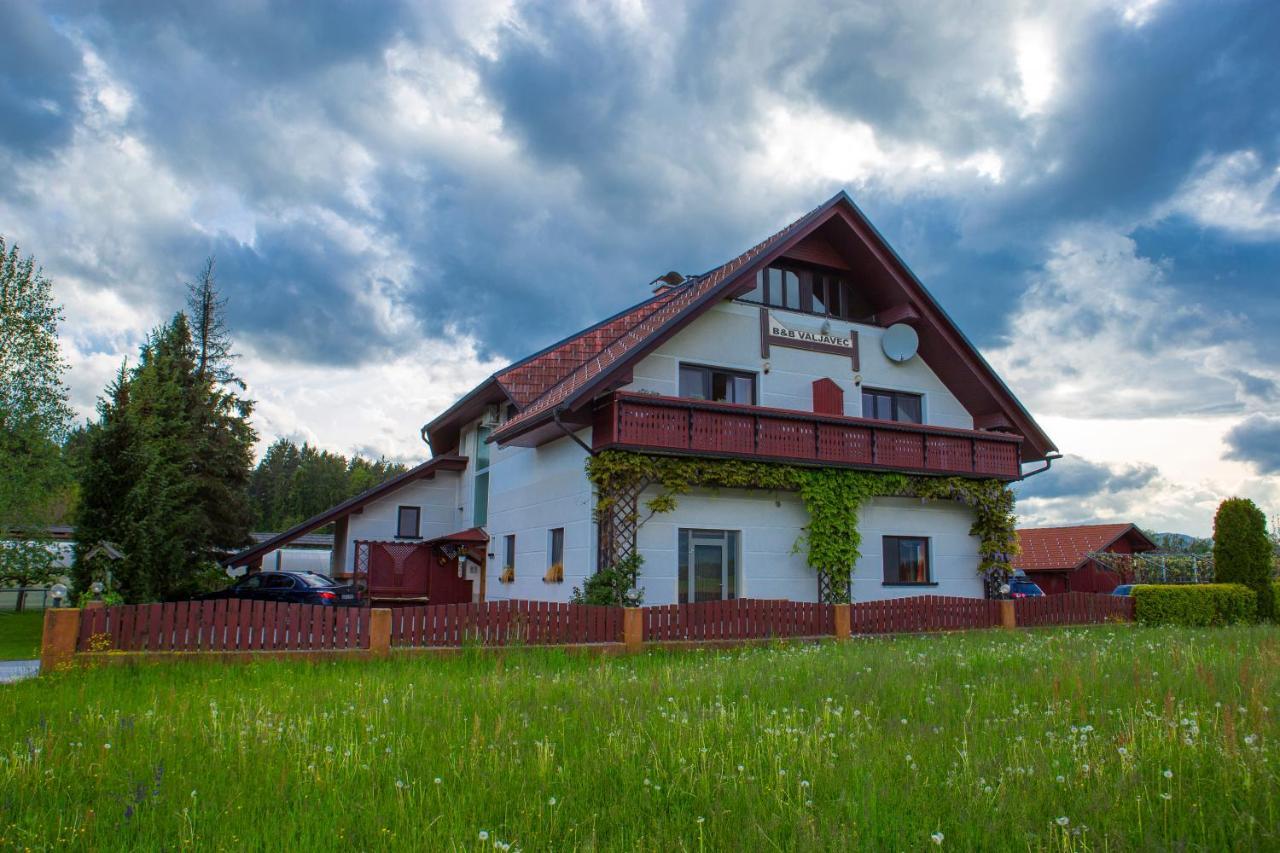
{"x": 1242, "y": 551}
{"x": 168, "y": 462}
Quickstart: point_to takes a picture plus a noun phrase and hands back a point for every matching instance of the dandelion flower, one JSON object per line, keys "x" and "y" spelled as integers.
{"x": 438, "y": 780}
{"x": 551, "y": 802}
{"x": 399, "y": 783}
{"x": 1168, "y": 774}
{"x": 1166, "y": 796}
{"x": 937, "y": 838}
{"x": 1061, "y": 779}
{"x": 1063, "y": 821}
{"x": 484, "y": 836}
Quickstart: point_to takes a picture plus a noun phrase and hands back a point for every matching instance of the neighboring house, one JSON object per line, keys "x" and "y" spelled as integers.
{"x": 816, "y": 347}
{"x": 1057, "y": 558}
{"x": 311, "y": 552}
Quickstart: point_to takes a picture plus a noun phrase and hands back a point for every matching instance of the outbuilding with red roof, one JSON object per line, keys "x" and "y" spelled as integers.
{"x": 1058, "y": 558}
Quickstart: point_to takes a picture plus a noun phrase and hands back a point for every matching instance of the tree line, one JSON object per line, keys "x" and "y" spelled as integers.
{"x": 164, "y": 473}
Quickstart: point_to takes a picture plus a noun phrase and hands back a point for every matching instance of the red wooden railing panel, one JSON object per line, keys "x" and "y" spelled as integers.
{"x": 699, "y": 426}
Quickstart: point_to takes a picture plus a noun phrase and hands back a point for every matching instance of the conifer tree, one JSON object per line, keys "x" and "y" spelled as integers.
{"x": 174, "y": 495}
{"x": 1242, "y": 551}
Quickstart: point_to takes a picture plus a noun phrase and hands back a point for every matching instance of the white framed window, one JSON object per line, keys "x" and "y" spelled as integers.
{"x": 480, "y": 485}
{"x": 709, "y": 564}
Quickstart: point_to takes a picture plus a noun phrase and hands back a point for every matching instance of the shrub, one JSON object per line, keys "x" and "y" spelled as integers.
{"x": 1242, "y": 550}
{"x": 1194, "y": 604}
{"x": 616, "y": 585}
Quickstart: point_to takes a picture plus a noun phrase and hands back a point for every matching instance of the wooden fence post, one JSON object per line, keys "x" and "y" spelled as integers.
{"x": 379, "y": 632}
{"x": 58, "y": 644}
{"x": 633, "y": 628}
{"x": 1008, "y": 617}
{"x": 844, "y": 624}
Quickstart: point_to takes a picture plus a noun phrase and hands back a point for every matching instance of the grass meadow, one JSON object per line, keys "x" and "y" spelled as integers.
{"x": 20, "y": 635}
{"x": 1103, "y": 738}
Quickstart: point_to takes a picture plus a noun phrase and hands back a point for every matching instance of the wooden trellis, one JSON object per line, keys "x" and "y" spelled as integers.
{"x": 619, "y": 522}
{"x": 833, "y": 591}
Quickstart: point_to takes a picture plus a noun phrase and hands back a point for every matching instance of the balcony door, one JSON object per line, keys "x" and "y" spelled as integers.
{"x": 709, "y": 562}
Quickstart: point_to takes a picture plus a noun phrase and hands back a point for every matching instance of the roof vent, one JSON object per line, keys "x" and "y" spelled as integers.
{"x": 662, "y": 282}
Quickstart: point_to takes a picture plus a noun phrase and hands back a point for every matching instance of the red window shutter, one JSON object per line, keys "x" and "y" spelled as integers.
{"x": 828, "y": 398}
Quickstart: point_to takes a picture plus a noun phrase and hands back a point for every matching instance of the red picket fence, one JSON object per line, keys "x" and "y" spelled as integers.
{"x": 923, "y": 613}
{"x": 1073, "y": 608}
{"x": 500, "y": 623}
{"x": 225, "y": 625}
{"x": 743, "y": 618}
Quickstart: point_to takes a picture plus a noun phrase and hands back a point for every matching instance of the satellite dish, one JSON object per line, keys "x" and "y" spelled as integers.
{"x": 900, "y": 342}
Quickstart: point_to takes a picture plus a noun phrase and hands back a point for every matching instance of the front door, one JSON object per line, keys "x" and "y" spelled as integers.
{"x": 708, "y": 565}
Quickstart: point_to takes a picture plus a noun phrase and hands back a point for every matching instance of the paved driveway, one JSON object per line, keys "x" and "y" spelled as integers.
{"x": 16, "y": 670}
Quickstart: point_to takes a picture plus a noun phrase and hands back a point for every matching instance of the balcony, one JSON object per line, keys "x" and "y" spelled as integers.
{"x": 675, "y": 425}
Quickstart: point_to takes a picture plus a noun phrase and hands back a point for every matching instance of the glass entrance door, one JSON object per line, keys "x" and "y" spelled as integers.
{"x": 708, "y": 565}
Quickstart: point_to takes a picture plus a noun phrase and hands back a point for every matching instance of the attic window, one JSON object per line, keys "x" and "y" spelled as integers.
{"x": 811, "y": 291}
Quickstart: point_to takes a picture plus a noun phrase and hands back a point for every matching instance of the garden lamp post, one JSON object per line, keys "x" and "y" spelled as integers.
{"x": 59, "y": 593}
{"x": 96, "y": 588}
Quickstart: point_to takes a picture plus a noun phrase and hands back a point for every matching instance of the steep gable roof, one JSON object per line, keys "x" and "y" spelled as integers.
{"x": 640, "y": 327}
{"x": 569, "y": 375}
{"x": 1066, "y": 548}
{"x": 425, "y": 471}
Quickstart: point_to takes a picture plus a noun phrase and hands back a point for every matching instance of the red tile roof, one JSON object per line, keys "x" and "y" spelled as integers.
{"x": 550, "y": 378}
{"x": 1065, "y": 548}
{"x": 526, "y": 380}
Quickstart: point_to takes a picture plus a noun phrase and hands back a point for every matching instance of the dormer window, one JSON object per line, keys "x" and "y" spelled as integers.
{"x": 811, "y": 291}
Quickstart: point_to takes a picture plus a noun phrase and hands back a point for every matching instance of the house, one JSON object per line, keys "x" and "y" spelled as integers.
{"x": 1058, "y": 558}
{"x": 815, "y": 350}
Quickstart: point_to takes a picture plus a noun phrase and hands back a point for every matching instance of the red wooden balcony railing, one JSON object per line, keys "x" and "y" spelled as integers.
{"x": 696, "y": 427}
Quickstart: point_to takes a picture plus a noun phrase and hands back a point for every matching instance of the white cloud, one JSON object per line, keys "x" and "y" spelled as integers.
{"x": 380, "y": 405}
{"x": 1035, "y": 51}
{"x": 1235, "y": 192}
{"x": 1098, "y": 302}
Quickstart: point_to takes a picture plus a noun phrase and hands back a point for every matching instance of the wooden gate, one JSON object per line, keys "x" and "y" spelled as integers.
{"x": 411, "y": 571}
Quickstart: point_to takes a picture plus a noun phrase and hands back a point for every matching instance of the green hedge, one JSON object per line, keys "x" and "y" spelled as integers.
{"x": 1194, "y": 604}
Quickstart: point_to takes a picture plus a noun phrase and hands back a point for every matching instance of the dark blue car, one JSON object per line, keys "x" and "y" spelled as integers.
{"x": 292, "y": 587}
{"x": 1020, "y": 586}
{"x": 1124, "y": 589}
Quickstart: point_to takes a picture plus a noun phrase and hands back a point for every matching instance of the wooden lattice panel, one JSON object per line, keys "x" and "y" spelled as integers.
{"x": 653, "y": 426}
{"x": 618, "y": 525}
{"x": 950, "y": 453}
{"x": 899, "y": 449}
{"x": 787, "y": 438}
{"x": 850, "y": 445}
{"x": 723, "y": 432}
{"x": 996, "y": 457}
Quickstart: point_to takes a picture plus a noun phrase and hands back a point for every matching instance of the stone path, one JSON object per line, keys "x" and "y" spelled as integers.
{"x": 16, "y": 670}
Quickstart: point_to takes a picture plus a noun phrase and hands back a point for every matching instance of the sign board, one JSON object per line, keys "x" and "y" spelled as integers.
{"x": 775, "y": 333}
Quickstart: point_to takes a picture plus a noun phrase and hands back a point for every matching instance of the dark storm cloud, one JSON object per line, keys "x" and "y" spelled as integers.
{"x": 1256, "y": 440}
{"x": 1077, "y": 477}
{"x": 37, "y": 81}
{"x": 636, "y": 135}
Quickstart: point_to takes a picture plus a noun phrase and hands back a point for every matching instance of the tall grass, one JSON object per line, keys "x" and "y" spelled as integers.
{"x": 1091, "y": 739}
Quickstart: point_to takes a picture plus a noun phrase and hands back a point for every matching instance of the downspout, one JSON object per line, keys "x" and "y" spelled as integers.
{"x": 555, "y": 417}
{"x": 1048, "y": 463}
{"x": 426, "y": 439}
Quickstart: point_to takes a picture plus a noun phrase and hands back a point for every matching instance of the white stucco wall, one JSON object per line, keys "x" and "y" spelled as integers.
{"x": 728, "y": 335}
{"x": 770, "y": 523}
{"x": 437, "y": 498}
{"x": 531, "y": 491}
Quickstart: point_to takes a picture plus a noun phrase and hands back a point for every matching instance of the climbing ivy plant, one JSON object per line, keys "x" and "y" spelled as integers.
{"x": 832, "y": 498}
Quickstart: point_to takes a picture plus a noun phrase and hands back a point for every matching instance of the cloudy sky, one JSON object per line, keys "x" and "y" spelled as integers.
{"x": 401, "y": 199}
